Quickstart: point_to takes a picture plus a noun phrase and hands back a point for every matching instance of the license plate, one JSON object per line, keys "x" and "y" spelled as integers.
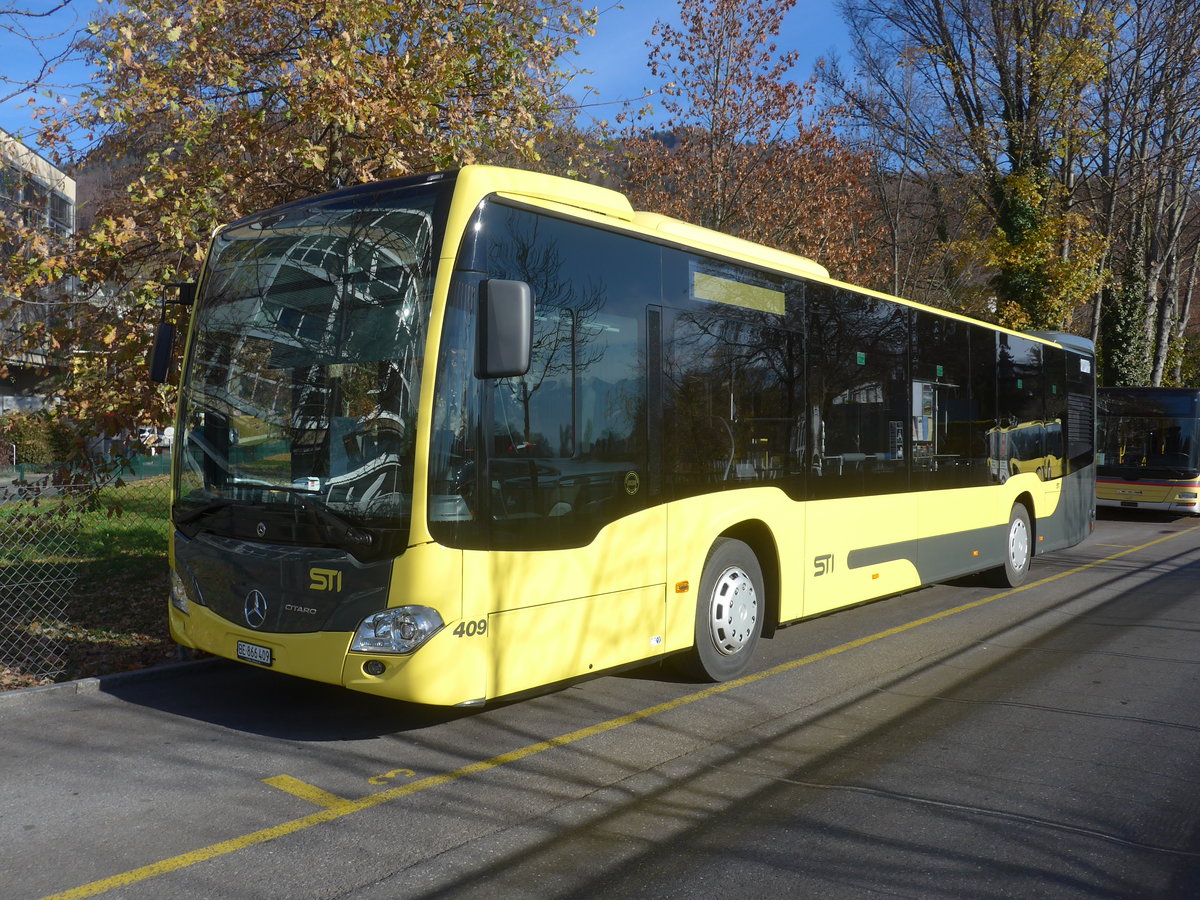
{"x": 254, "y": 653}
{"x": 1130, "y": 504}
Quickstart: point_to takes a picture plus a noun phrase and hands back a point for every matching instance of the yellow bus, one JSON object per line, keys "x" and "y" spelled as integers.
{"x": 463, "y": 436}
{"x": 1148, "y": 450}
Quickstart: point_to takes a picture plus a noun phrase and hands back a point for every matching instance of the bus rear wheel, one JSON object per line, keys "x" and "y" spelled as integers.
{"x": 1018, "y": 548}
{"x": 729, "y": 611}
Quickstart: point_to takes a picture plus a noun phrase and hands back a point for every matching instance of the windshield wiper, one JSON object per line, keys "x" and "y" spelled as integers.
{"x": 203, "y": 511}
{"x": 334, "y": 528}
{"x": 307, "y": 514}
{"x": 1177, "y": 472}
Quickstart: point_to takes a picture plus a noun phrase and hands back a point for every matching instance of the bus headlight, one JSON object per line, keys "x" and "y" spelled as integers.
{"x": 399, "y": 630}
{"x": 179, "y": 597}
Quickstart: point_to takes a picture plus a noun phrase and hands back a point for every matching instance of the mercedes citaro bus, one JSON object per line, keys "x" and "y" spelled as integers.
{"x": 462, "y": 436}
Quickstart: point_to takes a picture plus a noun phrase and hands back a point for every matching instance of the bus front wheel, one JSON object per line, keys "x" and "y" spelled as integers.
{"x": 1018, "y": 548}
{"x": 729, "y": 611}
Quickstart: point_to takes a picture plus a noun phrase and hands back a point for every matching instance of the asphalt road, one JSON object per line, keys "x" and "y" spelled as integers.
{"x": 957, "y": 742}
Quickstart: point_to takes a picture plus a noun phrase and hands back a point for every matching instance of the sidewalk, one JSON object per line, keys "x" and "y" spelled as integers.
{"x": 24, "y": 697}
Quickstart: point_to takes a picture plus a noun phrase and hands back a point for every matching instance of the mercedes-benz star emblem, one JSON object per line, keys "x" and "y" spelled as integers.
{"x": 261, "y": 530}
{"x": 255, "y": 610}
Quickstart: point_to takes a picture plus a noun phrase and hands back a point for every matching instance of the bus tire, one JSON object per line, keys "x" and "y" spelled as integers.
{"x": 729, "y": 611}
{"x": 1018, "y": 548}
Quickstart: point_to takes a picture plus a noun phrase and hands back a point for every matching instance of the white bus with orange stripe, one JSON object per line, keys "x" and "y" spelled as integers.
{"x": 1148, "y": 453}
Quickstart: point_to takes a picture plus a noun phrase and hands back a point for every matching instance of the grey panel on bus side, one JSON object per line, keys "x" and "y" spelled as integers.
{"x": 950, "y": 555}
{"x": 1072, "y": 520}
{"x": 941, "y": 557}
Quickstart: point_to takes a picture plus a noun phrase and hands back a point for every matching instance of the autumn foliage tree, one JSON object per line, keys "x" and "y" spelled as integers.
{"x": 204, "y": 112}
{"x": 742, "y": 148}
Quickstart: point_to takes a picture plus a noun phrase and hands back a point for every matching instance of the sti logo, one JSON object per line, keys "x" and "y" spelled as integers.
{"x": 325, "y": 580}
{"x": 823, "y": 564}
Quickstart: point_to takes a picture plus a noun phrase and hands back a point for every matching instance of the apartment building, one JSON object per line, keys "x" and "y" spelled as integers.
{"x": 42, "y": 196}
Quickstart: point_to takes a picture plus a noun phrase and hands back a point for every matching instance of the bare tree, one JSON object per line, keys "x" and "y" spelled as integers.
{"x": 991, "y": 96}
{"x": 1142, "y": 182}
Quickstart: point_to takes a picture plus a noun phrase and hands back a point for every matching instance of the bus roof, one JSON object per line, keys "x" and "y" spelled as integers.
{"x": 601, "y": 204}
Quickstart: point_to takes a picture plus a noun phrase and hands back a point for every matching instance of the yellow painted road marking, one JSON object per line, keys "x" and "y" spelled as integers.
{"x": 349, "y": 807}
{"x": 384, "y": 779}
{"x": 306, "y": 791}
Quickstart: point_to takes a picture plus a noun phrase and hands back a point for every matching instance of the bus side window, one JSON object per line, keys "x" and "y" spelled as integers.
{"x": 858, "y": 388}
{"x": 948, "y": 447}
{"x": 1054, "y": 399}
{"x": 734, "y": 394}
{"x": 1021, "y": 434}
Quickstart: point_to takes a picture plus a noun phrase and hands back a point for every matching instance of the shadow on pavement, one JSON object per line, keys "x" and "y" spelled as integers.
{"x": 258, "y": 701}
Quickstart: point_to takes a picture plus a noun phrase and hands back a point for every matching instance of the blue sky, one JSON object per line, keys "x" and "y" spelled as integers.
{"x": 21, "y": 60}
{"x": 616, "y": 55}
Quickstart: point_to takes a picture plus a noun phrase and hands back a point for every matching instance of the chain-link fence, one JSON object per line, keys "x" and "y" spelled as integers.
{"x": 38, "y": 567}
{"x": 83, "y": 571}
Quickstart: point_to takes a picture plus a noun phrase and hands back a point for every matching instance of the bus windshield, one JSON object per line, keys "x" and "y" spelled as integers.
{"x": 1151, "y": 433}
{"x": 302, "y": 383}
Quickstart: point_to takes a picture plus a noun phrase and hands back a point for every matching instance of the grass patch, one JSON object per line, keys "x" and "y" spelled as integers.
{"x": 115, "y": 618}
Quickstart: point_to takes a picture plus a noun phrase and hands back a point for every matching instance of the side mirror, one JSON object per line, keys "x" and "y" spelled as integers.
{"x": 505, "y": 329}
{"x": 164, "y": 334}
{"x": 186, "y": 292}
{"x": 160, "y": 352}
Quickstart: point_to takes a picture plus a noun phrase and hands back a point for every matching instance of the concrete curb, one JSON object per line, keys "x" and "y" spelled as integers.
{"x": 102, "y": 683}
